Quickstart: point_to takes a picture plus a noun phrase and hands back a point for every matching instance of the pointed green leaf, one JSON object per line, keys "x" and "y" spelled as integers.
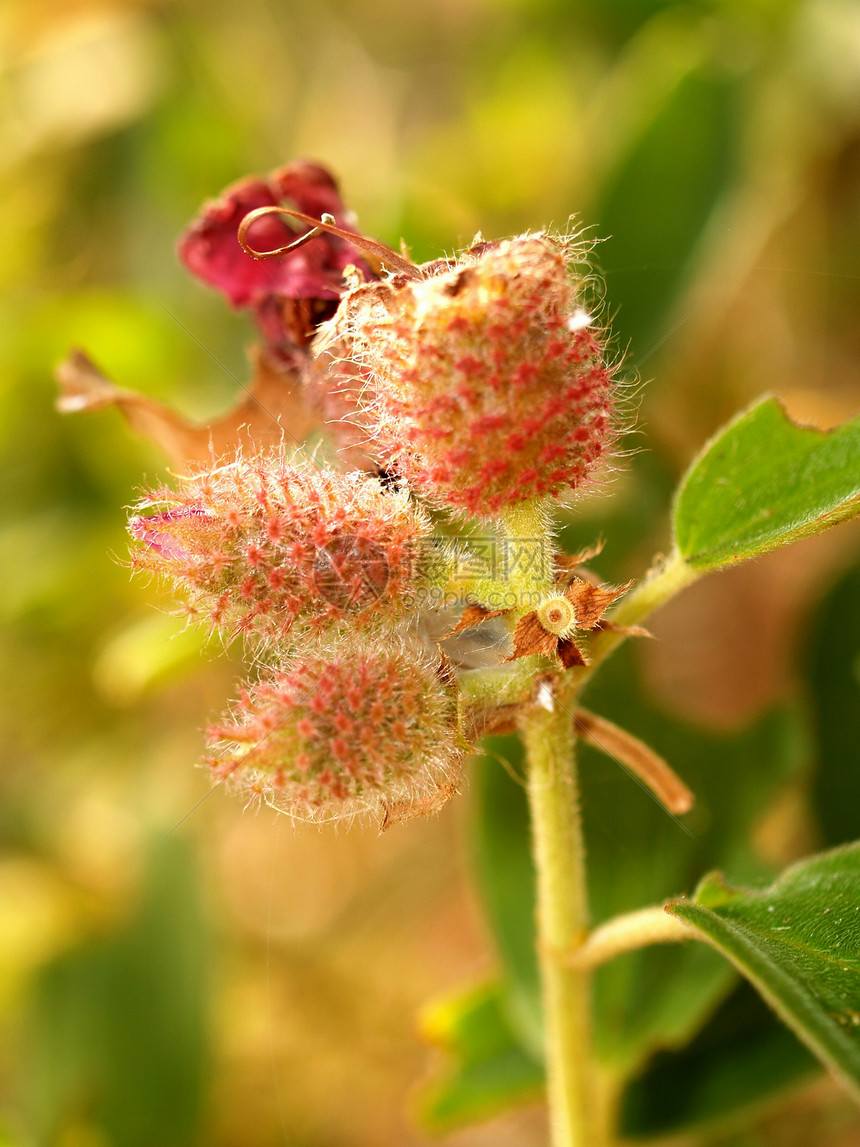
{"x": 763, "y": 482}
{"x": 832, "y": 666}
{"x": 119, "y": 1025}
{"x": 798, "y": 943}
{"x": 673, "y": 175}
{"x": 488, "y": 1070}
{"x": 743, "y": 1058}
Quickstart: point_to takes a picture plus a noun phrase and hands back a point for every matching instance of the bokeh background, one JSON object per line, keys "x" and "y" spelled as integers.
{"x": 173, "y": 970}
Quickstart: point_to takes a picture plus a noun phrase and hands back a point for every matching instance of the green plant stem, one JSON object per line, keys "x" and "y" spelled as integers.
{"x": 576, "y": 1116}
{"x": 661, "y": 584}
{"x": 562, "y": 927}
{"x": 581, "y": 1099}
{"x": 528, "y": 562}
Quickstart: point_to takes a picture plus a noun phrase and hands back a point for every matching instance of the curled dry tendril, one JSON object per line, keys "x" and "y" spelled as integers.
{"x": 391, "y": 259}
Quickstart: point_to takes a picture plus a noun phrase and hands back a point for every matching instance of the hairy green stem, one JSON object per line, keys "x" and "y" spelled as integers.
{"x": 528, "y": 567}
{"x": 559, "y": 853}
{"x": 661, "y": 584}
{"x": 580, "y": 1098}
{"x": 562, "y": 928}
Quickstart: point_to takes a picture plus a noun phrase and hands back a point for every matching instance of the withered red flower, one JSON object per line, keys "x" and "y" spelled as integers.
{"x": 290, "y": 294}
{"x": 288, "y": 395}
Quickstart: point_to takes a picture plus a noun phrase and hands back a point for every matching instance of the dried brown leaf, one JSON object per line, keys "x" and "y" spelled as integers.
{"x": 273, "y": 408}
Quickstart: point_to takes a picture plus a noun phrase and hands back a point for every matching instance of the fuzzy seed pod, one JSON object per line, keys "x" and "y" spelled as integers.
{"x": 263, "y": 544}
{"x": 359, "y": 729}
{"x": 486, "y": 383}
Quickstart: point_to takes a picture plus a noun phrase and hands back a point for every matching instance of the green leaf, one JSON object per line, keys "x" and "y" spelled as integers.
{"x": 832, "y": 664}
{"x": 672, "y": 176}
{"x": 763, "y": 482}
{"x": 490, "y": 1072}
{"x": 798, "y": 943}
{"x": 119, "y": 1024}
{"x": 503, "y": 860}
{"x": 742, "y": 1057}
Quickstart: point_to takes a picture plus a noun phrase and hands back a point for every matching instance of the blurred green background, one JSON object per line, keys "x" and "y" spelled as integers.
{"x": 237, "y": 981}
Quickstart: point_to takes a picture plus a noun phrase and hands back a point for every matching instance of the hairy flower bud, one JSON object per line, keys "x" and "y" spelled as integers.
{"x": 263, "y": 543}
{"x": 486, "y": 380}
{"x": 361, "y": 728}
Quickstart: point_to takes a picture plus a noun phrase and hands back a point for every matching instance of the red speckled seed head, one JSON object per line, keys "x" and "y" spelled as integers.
{"x": 486, "y": 382}
{"x": 263, "y": 543}
{"x": 360, "y": 729}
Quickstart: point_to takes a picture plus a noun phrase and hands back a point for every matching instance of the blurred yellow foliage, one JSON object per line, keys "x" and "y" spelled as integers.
{"x": 714, "y": 146}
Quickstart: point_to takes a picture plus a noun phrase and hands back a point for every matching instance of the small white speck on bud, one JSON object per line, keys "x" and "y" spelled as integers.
{"x": 579, "y": 320}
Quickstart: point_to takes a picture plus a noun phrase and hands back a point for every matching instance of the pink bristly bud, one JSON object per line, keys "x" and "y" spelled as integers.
{"x": 486, "y": 380}
{"x": 263, "y": 544}
{"x": 359, "y": 729}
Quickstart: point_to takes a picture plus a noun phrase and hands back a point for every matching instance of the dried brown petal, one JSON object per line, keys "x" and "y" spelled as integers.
{"x": 592, "y": 601}
{"x": 474, "y": 615}
{"x": 531, "y": 637}
{"x": 445, "y": 671}
{"x": 570, "y": 654}
{"x": 567, "y": 563}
